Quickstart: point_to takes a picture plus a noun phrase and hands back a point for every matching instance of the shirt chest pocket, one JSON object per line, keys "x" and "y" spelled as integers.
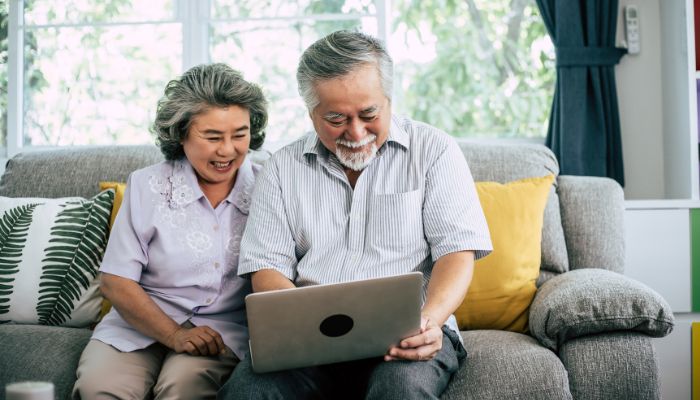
{"x": 396, "y": 220}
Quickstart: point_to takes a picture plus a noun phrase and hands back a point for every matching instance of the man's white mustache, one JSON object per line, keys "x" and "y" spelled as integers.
{"x": 353, "y": 145}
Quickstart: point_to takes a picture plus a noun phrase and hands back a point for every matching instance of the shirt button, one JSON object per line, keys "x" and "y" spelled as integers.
{"x": 216, "y": 265}
{"x": 208, "y": 301}
{"x": 216, "y": 228}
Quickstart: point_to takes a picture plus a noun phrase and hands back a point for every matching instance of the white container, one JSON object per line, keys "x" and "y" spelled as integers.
{"x": 29, "y": 391}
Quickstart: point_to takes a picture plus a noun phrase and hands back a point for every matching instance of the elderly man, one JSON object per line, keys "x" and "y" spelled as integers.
{"x": 366, "y": 195}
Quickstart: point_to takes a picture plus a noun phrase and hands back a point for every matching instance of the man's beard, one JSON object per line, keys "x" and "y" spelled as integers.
{"x": 359, "y": 160}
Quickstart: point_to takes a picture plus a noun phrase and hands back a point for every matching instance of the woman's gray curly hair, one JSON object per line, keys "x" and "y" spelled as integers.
{"x": 197, "y": 90}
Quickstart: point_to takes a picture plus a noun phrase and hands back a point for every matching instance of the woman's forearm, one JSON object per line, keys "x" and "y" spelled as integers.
{"x": 138, "y": 309}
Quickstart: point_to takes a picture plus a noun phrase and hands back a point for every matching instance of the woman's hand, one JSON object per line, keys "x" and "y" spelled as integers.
{"x": 421, "y": 347}
{"x": 196, "y": 341}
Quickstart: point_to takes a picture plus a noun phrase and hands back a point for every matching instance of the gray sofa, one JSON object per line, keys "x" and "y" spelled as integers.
{"x": 591, "y": 327}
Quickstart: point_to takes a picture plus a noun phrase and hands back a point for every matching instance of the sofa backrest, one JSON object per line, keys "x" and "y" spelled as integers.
{"x": 77, "y": 171}
{"x": 505, "y": 162}
{"x": 74, "y": 171}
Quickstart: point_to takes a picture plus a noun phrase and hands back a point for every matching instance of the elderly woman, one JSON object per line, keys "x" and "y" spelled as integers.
{"x": 177, "y": 327}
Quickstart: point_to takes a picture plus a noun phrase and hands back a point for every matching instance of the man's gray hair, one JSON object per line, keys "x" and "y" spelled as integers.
{"x": 337, "y": 55}
{"x": 198, "y": 90}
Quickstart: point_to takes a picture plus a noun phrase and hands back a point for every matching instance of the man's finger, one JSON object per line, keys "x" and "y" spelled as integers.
{"x": 423, "y": 339}
{"x": 412, "y": 354}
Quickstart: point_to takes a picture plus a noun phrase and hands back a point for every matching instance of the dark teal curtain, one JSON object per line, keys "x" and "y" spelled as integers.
{"x": 584, "y": 125}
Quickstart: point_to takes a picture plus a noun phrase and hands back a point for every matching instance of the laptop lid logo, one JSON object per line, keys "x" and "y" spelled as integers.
{"x": 336, "y": 325}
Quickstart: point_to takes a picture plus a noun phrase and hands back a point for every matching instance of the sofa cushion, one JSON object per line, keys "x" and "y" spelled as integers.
{"x": 589, "y": 301}
{"x": 50, "y": 250}
{"x": 504, "y": 162}
{"x": 41, "y": 353}
{"x": 503, "y": 285}
{"x": 507, "y": 365}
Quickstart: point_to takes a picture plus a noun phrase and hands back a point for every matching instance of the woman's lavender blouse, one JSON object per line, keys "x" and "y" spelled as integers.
{"x": 184, "y": 253}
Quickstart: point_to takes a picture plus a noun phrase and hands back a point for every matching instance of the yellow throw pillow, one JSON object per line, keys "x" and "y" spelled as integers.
{"x": 118, "y": 197}
{"x": 119, "y": 188}
{"x": 503, "y": 285}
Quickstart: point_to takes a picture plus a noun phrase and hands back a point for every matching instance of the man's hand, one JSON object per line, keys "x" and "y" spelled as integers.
{"x": 421, "y": 347}
{"x": 197, "y": 341}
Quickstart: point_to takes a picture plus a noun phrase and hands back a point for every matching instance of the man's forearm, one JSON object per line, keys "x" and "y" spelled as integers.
{"x": 270, "y": 279}
{"x": 452, "y": 274}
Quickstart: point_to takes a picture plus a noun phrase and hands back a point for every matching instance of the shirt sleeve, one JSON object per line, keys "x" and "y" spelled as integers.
{"x": 268, "y": 242}
{"x": 452, "y": 216}
{"x": 126, "y": 254}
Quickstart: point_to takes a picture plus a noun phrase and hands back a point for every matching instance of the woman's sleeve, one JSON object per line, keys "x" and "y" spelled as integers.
{"x": 127, "y": 250}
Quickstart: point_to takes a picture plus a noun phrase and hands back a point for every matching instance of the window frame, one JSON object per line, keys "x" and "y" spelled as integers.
{"x": 194, "y": 15}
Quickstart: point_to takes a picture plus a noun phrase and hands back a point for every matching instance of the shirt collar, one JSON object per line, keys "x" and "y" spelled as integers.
{"x": 313, "y": 145}
{"x": 185, "y": 188}
{"x": 243, "y": 188}
{"x": 397, "y": 133}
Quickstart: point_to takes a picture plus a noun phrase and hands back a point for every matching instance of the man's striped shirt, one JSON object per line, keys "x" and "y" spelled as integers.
{"x": 410, "y": 206}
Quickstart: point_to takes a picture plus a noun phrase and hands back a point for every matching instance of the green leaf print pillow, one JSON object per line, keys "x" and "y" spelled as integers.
{"x": 50, "y": 253}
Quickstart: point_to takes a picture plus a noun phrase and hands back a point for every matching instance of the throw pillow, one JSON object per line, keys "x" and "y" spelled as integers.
{"x": 503, "y": 284}
{"x": 50, "y": 251}
{"x": 119, "y": 189}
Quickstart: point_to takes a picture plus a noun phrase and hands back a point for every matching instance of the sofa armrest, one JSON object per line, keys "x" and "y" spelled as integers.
{"x": 592, "y": 216}
{"x": 590, "y": 301}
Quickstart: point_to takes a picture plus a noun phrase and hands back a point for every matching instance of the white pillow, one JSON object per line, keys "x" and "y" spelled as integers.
{"x": 50, "y": 253}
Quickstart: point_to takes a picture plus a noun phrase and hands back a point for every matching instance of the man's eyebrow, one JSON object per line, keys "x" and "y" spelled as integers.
{"x": 369, "y": 110}
{"x": 333, "y": 115}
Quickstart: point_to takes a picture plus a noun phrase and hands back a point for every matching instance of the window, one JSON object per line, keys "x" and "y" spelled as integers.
{"x": 4, "y": 22}
{"x": 92, "y": 72}
{"x": 479, "y": 68}
{"x": 264, "y": 40}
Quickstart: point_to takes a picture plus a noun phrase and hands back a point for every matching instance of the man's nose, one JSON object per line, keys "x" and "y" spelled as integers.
{"x": 356, "y": 131}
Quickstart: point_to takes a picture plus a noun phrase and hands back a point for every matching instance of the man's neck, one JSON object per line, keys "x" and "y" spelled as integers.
{"x": 352, "y": 176}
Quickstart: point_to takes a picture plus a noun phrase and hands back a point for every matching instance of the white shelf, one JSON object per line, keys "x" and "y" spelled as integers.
{"x": 661, "y": 204}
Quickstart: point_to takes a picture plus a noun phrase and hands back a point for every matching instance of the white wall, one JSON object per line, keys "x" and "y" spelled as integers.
{"x": 640, "y": 100}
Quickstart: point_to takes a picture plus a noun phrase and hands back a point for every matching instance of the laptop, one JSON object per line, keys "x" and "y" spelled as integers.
{"x": 323, "y": 324}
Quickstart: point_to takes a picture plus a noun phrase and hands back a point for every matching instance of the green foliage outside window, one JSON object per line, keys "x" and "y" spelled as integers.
{"x": 493, "y": 72}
